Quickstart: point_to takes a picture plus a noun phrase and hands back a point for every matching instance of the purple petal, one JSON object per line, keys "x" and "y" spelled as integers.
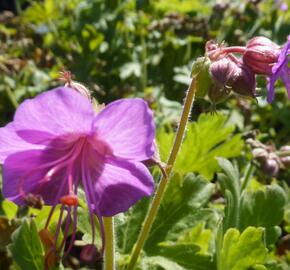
{"x": 271, "y": 90}
{"x": 280, "y": 69}
{"x": 24, "y": 173}
{"x": 285, "y": 76}
{"x": 127, "y": 126}
{"x": 282, "y": 60}
{"x": 54, "y": 113}
{"x": 121, "y": 184}
{"x": 11, "y": 143}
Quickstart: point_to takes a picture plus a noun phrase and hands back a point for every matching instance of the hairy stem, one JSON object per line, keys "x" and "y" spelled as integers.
{"x": 109, "y": 245}
{"x": 163, "y": 182}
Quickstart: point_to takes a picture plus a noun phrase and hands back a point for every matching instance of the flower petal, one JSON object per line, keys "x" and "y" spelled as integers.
{"x": 271, "y": 90}
{"x": 58, "y": 112}
{"x": 127, "y": 126}
{"x": 24, "y": 173}
{"x": 120, "y": 185}
{"x": 280, "y": 69}
{"x": 285, "y": 76}
{"x": 11, "y": 143}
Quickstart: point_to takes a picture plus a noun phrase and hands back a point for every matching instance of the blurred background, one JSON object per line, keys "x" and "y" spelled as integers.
{"x": 122, "y": 48}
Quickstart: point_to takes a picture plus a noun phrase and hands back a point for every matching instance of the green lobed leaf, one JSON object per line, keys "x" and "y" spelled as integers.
{"x": 199, "y": 235}
{"x": 186, "y": 255}
{"x": 26, "y": 248}
{"x": 208, "y": 138}
{"x": 263, "y": 208}
{"x": 242, "y": 251}
{"x": 182, "y": 198}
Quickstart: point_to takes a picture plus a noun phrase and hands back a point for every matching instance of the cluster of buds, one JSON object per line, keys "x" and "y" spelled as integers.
{"x": 270, "y": 159}
{"x": 225, "y": 70}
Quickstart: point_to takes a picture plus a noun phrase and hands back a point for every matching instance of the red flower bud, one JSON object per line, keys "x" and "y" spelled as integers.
{"x": 244, "y": 82}
{"x": 261, "y": 54}
{"x": 222, "y": 71}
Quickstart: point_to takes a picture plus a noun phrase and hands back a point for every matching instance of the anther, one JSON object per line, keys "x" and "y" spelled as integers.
{"x": 70, "y": 200}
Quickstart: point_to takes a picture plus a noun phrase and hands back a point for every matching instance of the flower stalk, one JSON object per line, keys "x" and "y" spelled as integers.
{"x": 109, "y": 245}
{"x": 163, "y": 182}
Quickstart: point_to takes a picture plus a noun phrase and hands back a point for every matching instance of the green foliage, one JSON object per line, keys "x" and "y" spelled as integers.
{"x": 230, "y": 186}
{"x": 208, "y": 138}
{"x": 186, "y": 255}
{"x": 9, "y": 208}
{"x": 182, "y": 200}
{"x": 26, "y": 248}
{"x": 254, "y": 203}
{"x": 242, "y": 251}
{"x": 263, "y": 208}
{"x": 178, "y": 220}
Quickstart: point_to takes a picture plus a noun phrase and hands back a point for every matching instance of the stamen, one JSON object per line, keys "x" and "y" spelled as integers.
{"x": 58, "y": 227}
{"x": 49, "y": 216}
{"x": 89, "y": 203}
{"x": 66, "y": 229}
{"x": 73, "y": 236}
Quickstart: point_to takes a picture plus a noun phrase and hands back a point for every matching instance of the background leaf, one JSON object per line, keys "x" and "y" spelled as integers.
{"x": 242, "y": 251}
{"x": 263, "y": 208}
{"x": 26, "y": 248}
{"x": 201, "y": 145}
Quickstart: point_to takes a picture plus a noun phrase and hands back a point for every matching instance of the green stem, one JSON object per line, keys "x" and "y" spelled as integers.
{"x": 249, "y": 172}
{"x": 12, "y": 97}
{"x": 163, "y": 182}
{"x": 109, "y": 245}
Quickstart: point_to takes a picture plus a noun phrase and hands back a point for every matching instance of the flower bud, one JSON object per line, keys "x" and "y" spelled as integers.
{"x": 222, "y": 71}
{"x": 217, "y": 95}
{"x": 285, "y": 161}
{"x": 200, "y": 71}
{"x": 89, "y": 254}
{"x": 285, "y": 148}
{"x": 271, "y": 167}
{"x": 244, "y": 82}
{"x": 284, "y": 154}
{"x": 261, "y": 54}
{"x": 260, "y": 154}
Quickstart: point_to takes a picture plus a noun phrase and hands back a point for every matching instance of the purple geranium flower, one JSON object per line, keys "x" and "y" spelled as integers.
{"x": 57, "y": 142}
{"x": 280, "y": 70}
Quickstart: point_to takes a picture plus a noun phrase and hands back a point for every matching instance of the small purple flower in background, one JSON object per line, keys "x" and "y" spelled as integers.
{"x": 282, "y": 5}
{"x": 280, "y": 70}
{"x": 57, "y": 142}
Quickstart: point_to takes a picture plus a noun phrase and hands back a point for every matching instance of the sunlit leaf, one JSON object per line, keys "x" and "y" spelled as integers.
{"x": 26, "y": 248}
{"x": 242, "y": 251}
